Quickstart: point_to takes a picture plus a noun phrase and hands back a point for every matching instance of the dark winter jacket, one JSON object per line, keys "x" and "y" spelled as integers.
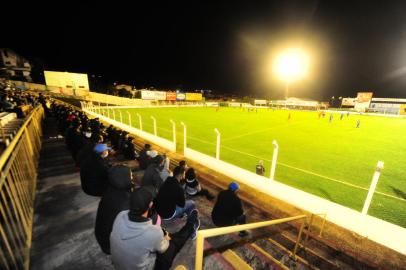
{"x": 227, "y": 208}
{"x": 94, "y": 175}
{"x": 115, "y": 199}
{"x": 143, "y": 159}
{"x": 170, "y": 195}
{"x": 152, "y": 177}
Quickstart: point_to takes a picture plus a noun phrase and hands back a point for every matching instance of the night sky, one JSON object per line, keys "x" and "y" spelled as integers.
{"x": 356, "y": 45}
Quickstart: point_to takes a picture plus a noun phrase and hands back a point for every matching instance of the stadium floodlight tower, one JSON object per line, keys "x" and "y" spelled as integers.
{"x": 291, "y": 65}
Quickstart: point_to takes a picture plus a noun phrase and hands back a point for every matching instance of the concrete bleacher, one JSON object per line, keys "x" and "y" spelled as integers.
{"x": 63, "y": 231}
{"x": 9, "y": 126}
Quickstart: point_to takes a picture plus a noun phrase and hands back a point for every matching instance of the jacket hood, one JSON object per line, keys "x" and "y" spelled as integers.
{"x": 132, "y": 229}
{"x": 120, "y": 177}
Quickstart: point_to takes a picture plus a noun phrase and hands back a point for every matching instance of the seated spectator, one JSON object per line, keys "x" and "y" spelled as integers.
{"x": 165, "y": 171}
{"x": 115, "y": 199}
{"x": 94, "y": 171}
{"x": 228, "y": 209}
{"x": 193, "y": 187}
{"x": 152, "y": 176}
{"x": 129, "y": 149}
{"x": 170, "y": 202}
{"x": 138, "y": 244}
{"x": 143, "y": 159}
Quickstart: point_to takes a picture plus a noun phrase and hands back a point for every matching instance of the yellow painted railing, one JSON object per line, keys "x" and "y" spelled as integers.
{"x": 18, "y": 164}
{"x": 201, "y": 235}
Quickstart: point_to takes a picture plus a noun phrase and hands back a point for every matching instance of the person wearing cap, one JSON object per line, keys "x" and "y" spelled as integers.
{"x": 171, "y": 202}
{"x": 228, "y": 209}
{"x": 94, "y": 171}
{"x": 136, "y": 243}
{"x": 143, "y": 159}
{"x": 152, "y": 175}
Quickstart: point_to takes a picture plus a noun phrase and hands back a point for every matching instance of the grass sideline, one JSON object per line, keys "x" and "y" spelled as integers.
{"x": 333, "y": 160}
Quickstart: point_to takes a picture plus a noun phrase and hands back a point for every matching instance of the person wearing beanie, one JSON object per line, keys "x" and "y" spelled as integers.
{"x": 136, "y": 243}
{"x": 94, "y": 171}
{"x": 193, "y": 187}
{"x": 228, "y": 209}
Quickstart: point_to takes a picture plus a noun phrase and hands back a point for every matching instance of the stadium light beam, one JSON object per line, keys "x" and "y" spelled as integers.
{"x": 291, "y": 65}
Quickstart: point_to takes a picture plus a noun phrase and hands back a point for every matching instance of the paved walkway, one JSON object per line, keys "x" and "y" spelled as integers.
{"x": 63, "y": 230}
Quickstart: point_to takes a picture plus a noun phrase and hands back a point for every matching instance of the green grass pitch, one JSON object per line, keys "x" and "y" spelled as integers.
{"x": 333, "y": 160}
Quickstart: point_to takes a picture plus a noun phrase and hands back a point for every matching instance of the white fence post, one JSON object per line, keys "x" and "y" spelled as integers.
{"x": 371, "y": 191}
{"x": 108, "y": 112}
{"x": 174, "y": 132}
{"x": 129, "y": 119}
{"x": 218, "y": 143}
{"x": 121, "y": 116}
{"x": 184, "y": 136}
{"x": 114, "y": 114}
{"x": 154, "y": 124}
{"x": 274, "y": 159}
{"x": 140, "y": 120}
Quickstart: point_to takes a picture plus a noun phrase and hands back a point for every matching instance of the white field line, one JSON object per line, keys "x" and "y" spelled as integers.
{"x": 260, "y": 131}
{"x": 286, "y": 165}
{"x": 305, "y": 171}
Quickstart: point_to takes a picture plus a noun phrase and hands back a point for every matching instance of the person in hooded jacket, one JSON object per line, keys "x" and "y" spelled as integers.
{"x": 94, "y": 171}
{"x": 152, "y": 175}
{"x": 114, "y": 200}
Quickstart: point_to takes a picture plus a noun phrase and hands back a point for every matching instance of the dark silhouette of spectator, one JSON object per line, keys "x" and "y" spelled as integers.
{"x": 115, "y": 199}
{"x": 143, "y": 159}
{"x": 228, "y": 209}
{"x": 94, "y": 171}
{"x": 152, "y": 176}
{"x": 170, "y": 202}
{"x": 129, "y": 149}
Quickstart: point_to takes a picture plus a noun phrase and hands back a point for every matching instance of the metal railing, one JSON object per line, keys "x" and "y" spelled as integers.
{"x": 201, "y": 235}
{"x": 18, "y": 164}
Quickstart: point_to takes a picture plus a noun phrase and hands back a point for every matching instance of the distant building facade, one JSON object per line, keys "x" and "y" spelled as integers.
{"x": 14, "y": 66}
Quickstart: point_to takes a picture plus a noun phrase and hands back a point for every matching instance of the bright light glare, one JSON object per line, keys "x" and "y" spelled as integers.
{"x": 291, "y": 65}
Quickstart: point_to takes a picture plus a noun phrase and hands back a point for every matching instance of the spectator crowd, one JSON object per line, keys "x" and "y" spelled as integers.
{"x": 133, "y": 210}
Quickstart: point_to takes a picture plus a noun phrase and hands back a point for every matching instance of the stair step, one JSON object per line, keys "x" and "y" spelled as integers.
{"x": 275, "y": 263}
{"x": 315, "y": 255}
{"x": 235, "y": 260}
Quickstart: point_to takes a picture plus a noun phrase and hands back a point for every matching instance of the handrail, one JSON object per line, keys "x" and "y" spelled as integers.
{"x": 202, "y": 234}
{"x": 18, "y": 176}
{"x": 10, "y": 148}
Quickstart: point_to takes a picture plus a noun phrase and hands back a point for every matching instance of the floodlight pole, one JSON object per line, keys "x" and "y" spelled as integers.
{"x": 274, "y": 159}
{"x": 129, "y": 118}
{"x": 218, "y": 143}
{"x": 173, "y": 131}
{"x": 140, "y": 120}
{"x": 154, "y": 124}
{"x": 372, "y": 188}
{"x": 184, "y": 136}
